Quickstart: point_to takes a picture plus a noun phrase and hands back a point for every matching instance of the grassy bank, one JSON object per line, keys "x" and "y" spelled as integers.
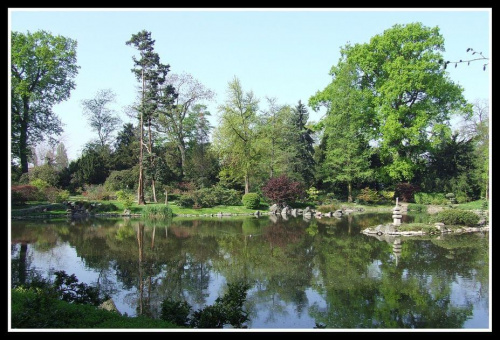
{"x": 114, "y": 207}
{"x": 33, "y": 310}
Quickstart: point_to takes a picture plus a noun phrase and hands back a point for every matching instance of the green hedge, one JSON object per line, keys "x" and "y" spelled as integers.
{"x": 251, "y": 200}
{"x": 430, "y": 198}
{"x": 456, "y": 217}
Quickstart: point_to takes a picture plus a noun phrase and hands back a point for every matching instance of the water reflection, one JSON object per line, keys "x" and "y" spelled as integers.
{"x": 303, "y": 273}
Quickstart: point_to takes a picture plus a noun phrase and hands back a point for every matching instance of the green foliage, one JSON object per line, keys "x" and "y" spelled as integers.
{"x": 396, "y": 82}
{"x": 125, "y": 198}
{"x": 67, "y": 288}
{"x": 454, "y": 166}
{"x": 46, "y": 173}
{"x": 33, "y": 308}
{"x": 430, "y": 198}
{"x": 55, "y": 195}
{"x": 349, "y": 125}
{"x": 185, "y": 201}
{"x": 176, "y": 312}
{"x": 417, "y": 207}
{"x": 387, "y": 195}
{"x": 235, "y": 139}
{"x": 251, "y": 200}
{"x": 312, "y": 194}
{"x": 451, "y": 198}
{"x": 43, "y": 69}
{"x": 156, "y": 211}
{"x": 368, "y": 195}
{"x": 126, "y": 151}
{"x": 122, "y": 179}
{"x": 96, "y": 192}
{"x": 227, "y": 310}
{"x": 103, "y": 207}
{"x": 40, "y": 184}
{"x": 210, "y": 197}
{"x": 456, "y": 217}
{"x": 327, "y": 208}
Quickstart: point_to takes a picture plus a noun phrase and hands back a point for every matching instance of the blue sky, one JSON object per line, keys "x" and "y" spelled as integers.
{"x": 281, "y": 53}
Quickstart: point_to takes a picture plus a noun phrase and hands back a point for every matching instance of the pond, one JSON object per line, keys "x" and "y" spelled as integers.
{"x": 304, "y": 274}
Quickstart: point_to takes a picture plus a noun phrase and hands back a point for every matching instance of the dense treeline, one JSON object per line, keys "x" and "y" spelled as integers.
{"x": 386, "y": 127}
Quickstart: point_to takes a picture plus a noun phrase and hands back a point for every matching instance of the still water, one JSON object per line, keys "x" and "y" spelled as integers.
{"x": 304, "y": 274}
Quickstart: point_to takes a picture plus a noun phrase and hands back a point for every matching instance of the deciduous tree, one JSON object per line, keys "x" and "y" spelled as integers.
{"x": 235, "y": 136}
{"x": 100, "y": 117}
{"x": 43, "y": 68}
{"x": 347, "y": 133}
{"x": 173, "y": 117}
{"x": 412, "y": 96}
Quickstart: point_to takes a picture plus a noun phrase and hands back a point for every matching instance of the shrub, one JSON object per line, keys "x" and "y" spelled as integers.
{"x": 54, "y": 195}
{"x": 157, "y": 211}
{"x": 387, "y": 195}
{"x": 62, "y": 195}
{"x": 175, "y": 311}
{"x": 312, "y": 194}
{"x": 326, "y": 208}
{"x": 282, "y": 190}
{"x": 185, "y": 201}
{"x": 46, "y": 173}
{"x": 417, "y": 207}
{"x": 451, "y": 197}
{"x": 406, "y": 191}
{"x": 125, "y": 198}
{"x": 103, "y": 207}
{"x": 430, "y": 198}
{"x": 40, "y": 184}
{"x": 251, "y": 200}
{"x": 96, "y": 192}
{"x": 216, "y": 195}
{"x": 368, "y": 195}
{"x": 23, "y": 193}
{"x": 456, "y": 217}
{"x": 227, "y": 310}
{"x": 122, "y": 180}
{"x": 462, "y": 198}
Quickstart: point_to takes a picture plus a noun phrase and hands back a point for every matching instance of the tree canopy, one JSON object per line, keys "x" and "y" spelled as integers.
{"x": 43, "y": 68}
{"x": 411, "y": 96}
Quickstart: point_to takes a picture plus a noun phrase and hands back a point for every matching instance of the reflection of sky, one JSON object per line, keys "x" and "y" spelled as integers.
{"x": 464, "y": 291}
{"x": 63, "y": 257}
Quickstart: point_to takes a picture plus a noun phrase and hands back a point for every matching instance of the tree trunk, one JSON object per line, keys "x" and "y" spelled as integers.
{"x": 153, "y": 188}
{"x": 23, "y": 138}
{"x": 349, "y": 192}
{"x": 182, "y": 150}
{"x": 247, "y": 184}
{"x": 150, "y": 142}
{"x": 140, "y": 187}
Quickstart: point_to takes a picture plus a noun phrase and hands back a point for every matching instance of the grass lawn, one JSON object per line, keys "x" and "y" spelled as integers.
{"x": 117, "y": 207}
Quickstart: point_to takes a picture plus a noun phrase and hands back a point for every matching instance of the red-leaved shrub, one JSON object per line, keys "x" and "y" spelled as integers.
{"x": 23, "y": 193}
{"x": 282, "y": 190}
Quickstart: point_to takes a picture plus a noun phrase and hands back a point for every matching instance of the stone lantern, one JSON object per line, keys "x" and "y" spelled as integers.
{"x": 396, "y": 214}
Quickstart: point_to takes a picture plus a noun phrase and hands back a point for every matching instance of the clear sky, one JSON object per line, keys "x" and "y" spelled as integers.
{"x": 281, "y": 53}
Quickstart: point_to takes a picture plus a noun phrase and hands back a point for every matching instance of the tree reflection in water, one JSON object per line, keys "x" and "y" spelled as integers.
{"x": 303, "y": 273}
